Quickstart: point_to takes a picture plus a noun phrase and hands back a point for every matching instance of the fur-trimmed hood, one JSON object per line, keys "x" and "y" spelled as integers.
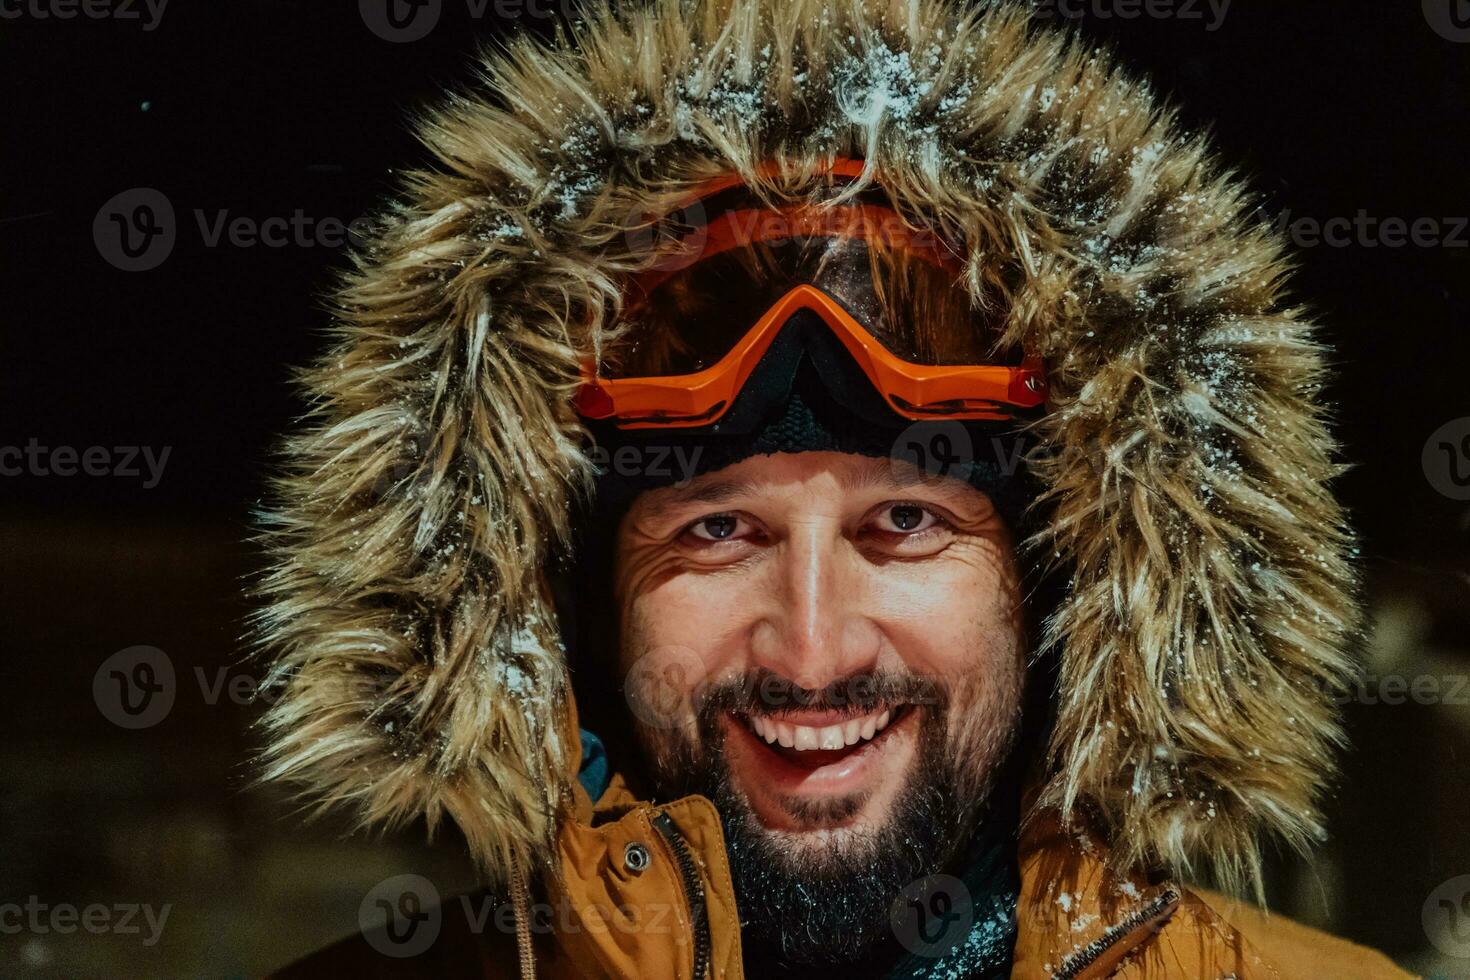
{"x": 1184, "y": 456}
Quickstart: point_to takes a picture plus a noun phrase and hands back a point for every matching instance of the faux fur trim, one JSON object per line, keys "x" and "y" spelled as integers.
{"x": 416, "y": 657}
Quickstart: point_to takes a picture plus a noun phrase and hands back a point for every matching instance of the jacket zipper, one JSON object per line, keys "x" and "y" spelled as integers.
{"x": 1074, "y": 964}
{"x": 693, "y": 890}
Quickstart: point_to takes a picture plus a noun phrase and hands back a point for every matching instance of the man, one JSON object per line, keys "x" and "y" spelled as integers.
{"x": 689, "y": 397}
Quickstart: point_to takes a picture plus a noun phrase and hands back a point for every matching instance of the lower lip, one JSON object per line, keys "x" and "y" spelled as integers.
{"x": 852, "y": 772}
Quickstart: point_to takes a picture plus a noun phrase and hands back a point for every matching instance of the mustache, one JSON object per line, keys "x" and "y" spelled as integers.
{"x": 764, "y": 692}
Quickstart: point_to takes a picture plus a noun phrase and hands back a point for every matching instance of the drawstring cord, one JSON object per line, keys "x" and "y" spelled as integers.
{"x": 520, "y": 896}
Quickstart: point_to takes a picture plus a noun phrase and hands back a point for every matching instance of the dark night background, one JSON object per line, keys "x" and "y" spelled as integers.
{"x": 264, "y": 107}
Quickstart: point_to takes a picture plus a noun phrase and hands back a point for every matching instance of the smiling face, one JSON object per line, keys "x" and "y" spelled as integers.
{"x": 844, "y": 640}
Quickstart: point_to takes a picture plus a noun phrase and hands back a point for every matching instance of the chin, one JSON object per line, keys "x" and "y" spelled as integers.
{"x": 810, "y": 848}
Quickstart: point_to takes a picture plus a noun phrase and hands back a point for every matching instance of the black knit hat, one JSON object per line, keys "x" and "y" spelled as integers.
{"x": 796, "y": 403}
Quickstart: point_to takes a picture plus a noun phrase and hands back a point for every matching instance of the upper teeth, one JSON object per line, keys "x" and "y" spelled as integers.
{"x": 805, "y": 737}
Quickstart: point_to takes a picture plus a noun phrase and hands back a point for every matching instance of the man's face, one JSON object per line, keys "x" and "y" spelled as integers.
{"x": 846, "y": 638}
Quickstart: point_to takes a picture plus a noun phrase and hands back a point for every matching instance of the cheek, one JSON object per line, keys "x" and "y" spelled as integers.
{"x": 685, "y": 620}
{"x": 952, "y": 618}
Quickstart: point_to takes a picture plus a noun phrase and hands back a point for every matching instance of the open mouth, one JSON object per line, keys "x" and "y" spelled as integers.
{"x": 804, "y": 742}
{"x": 808, "y": 769}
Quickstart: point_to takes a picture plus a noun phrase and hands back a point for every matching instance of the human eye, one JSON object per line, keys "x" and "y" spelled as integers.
{"x": 904, "y": 528}
{"x": 905, "y": 518}
{"x": 717, "y": 527}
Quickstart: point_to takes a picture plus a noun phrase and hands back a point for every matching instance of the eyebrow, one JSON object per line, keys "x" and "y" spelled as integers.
{"x": 716, "y": 493}
{"x": 889, "y": 477}
{"x": 720, "y": 492}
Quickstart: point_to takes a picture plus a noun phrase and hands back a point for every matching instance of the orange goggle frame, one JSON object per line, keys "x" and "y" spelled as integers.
{"x": 915, "y": 391}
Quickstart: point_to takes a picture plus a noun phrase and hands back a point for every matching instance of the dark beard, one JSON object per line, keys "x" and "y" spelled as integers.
{"x": 832, "y": 906}
{"x": 829, "y": 906}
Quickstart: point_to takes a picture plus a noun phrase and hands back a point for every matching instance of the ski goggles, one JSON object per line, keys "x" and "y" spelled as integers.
{"x": 707, "y": 316}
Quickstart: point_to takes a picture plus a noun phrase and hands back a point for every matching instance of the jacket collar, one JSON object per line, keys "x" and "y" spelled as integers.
{"x": 1077, "y": 919}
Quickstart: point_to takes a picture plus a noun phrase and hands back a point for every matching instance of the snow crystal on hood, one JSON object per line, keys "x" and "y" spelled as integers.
{"x": 516, "y": 656}
{"x": 578, "y": 176}
{"x": 521, "y": 647}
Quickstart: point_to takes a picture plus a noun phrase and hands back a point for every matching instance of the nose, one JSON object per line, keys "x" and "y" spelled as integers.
{"x": 815, "y": 629}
